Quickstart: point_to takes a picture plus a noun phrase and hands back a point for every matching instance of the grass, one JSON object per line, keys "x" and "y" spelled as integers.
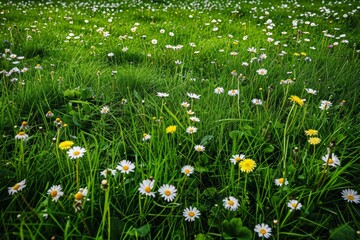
{"x": 141, "y": 60}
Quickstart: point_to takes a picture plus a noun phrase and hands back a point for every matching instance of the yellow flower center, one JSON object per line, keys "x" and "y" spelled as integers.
{"x": 351, "y": 197}
{"x": 76, "y": 153}
{"x": 231, "y": 203}
{"x": 78, "y": 196}
{"x": 16, "y": 187}
{"x": 54, "y": 193}
{"x": 281, "y": 180}
{"x": 147, "y": 189}
{"x": 126, "y": 168}
{"x": 238, "y": 159}
{"x": 167, "y": 192}
{"x": 187, "y": 171}
{"x": 263, "y": 231}
{"x": 330, "y": 161}
{"x": 21, "y": 133}
{"x": 191, "y": 214}
{"x": 294, "y": 205}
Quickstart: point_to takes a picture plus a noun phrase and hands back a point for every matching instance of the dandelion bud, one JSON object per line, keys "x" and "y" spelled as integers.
{"x": 104, "y": 183}
{"x": 296, "y": 151}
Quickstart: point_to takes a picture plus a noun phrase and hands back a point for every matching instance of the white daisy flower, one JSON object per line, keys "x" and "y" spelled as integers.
{"x": 280, "y": 181}
{"x": 191, "y": 214}
{"x": 187, "y": 170}
{"x": 263, "y": 230}
{"x": 55, "y": 192}
{"x": 125, "y": 166}
{"x": 191, "y": 130}
{"x": 231, "y": 203}
{"x": 168, "y": 192}
{"x": 17, "y": 187}
{"x": 76, "y": 152}
{"x": 108, "y": 172}
{"x": 237, "y": 158}
{"x": 350, "y": 195}
{"x": 331, "y": 161}
{"x": 294, "y": 205}
{"x": 146, "y": 186}
{"x": 199, "y": 148}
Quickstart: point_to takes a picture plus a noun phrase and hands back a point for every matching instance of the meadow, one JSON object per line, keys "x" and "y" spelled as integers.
{"x": 180, "y": 119}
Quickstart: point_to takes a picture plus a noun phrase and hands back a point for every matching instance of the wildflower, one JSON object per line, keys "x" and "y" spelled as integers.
{"x": 314, "y": 140}
{"x": 190, "y": 112}
{"x": 256, "y": 101}
{"x": 194, "y": 119}
{"x": 66, "y": 145}
{"x": 162, "y": 95}
{"x": 311, "y": 132}
{"x": 247, "y": 165}
{"x": 286, "y": 82}
{"x": 191, "y": 130}
{"x": 76, "y": 152}
{"x": 107, "y": 172}
{"x": 171, "y": 129}
{"x": 178, "y": 62}
{"x": 237, "y": 158}
{"x": 294, "y": 205}
{"x": 350, "y": 195}
{"x": 110, "y": 54}
{"x": 233, "y": 92}
{"x": 280, "y": 181}
{"x": 49, "y": 114}
{"x": 325, "y": 105}
{"x": 146, "y": 186}
{"x": 199, "y": 148}
{"x": 24, "y": 125}
{"x": 263, "y": 230}
{"x": 261, "y": 71}
{"x": 191, "y": 214}
{"x": 219, "y": 90}
{"x": 17, "y": 187}
{"x": 146, "y": 137}
{"x": 21, "y": 136}
{"x": 297, "y": 100}
{"x": 193, "y": 95}
{"x": 55, "y": 192}
{"x": 154, "y": 41}
{"x": 185, "y": 104}
{"x": 231, "y": 203}
{"x": 125, "y": 166}
{"x": 187, "y": 170}
{"x": 331, "y": 161}
{"x": 168, "y": 192}
{"x": 252, "y": 50}
{"x": 104, "y": 110}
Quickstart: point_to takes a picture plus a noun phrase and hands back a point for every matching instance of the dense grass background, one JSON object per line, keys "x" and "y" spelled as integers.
{"x": 70, "y": 71}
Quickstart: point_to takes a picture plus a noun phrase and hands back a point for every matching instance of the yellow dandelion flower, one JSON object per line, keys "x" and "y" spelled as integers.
{"x": 314, "y": 140}
{"x": 311, "y": 132}
{"x": 66, "y": 145}
{"x": 247, "y": 165}
{"x": 303, "y": 54}
{"x": 171, "y": 129}
{"x": 296, "y": 54}
{"x": 297, "y": 100}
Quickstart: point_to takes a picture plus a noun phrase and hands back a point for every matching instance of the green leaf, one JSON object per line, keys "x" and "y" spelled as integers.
{"x": 141, "y": 231}
{"x": 343, "y": 232}
{"x": 236, "y": 134}
{"x": 206, "y": 140}
{"x": 203, "y": 237}
{"x": 268, "y": 148}
{"x": 235, "y": 229}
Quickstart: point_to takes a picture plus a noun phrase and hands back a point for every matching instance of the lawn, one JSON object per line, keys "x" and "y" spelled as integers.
{"x": 179, "y": 119}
